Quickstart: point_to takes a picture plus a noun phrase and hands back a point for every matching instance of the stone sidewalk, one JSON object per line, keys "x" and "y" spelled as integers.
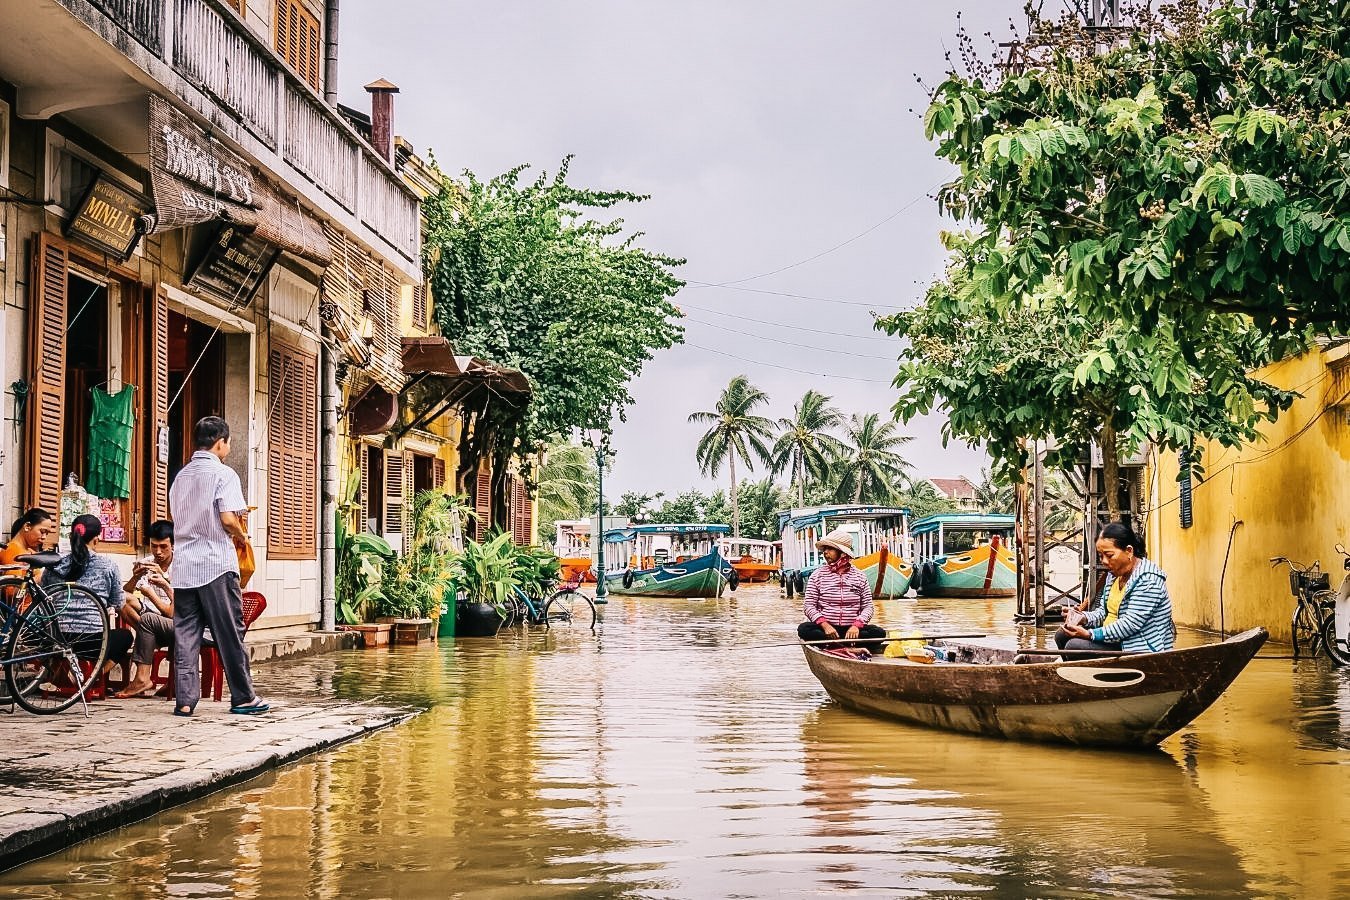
{"x": 65, "y": 778}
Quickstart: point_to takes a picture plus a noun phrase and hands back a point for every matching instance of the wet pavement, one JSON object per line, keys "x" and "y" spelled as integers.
{"x": 674, "y": 755}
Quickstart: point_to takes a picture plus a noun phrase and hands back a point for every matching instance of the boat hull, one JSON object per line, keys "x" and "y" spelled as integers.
{"x": 576, "y": 569}
{"x": 754, "y": 572}
{"x": 973, "y": 573}
{"x": 899, "y": 574}
{"x": 1128, "y": 701}
{"x": 704, "y": 577}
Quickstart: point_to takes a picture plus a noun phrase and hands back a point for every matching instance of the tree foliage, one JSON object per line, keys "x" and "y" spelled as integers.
{"x": 566, "y": 486}
{"x": 1200, "y": 169}
{"x": 871, "y": 468}
{"x": 524, "y": 274}
{"x": 806, "y": 446}
{"x": 737, "y": 432}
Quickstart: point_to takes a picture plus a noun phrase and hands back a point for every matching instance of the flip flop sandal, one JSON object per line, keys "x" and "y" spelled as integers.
{"x": 179, "y": 711}
{"x": 250, "y": 709}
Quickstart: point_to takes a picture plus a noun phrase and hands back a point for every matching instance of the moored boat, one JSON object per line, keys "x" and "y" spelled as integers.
{"x": 675, "y": 560}
{"x": 572, "y": 544}
{"x": 965, "y": 555}
{"x": 872, "y": 528}
{"x": 755, "y": 561}
{"x": 1133, "y": 700}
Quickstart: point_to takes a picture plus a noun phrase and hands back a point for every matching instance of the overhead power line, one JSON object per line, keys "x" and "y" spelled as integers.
{"x": 812, "y": 347}
{"x": 755, "y": 362}
{"x": 749, "y": 290}
{"x": 850, "y": 336}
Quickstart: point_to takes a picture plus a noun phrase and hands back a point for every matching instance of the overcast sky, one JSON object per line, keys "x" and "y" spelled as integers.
{"x": 766, "y": 133}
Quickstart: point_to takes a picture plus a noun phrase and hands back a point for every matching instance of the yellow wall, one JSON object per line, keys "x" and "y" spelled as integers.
{"x": 1289, "y": 490}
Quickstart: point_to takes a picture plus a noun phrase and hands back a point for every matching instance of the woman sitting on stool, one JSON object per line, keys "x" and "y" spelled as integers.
{"x": 1135, "y": 612}
{"x": 838, "y": 599}
{"x": 87, "y": 568}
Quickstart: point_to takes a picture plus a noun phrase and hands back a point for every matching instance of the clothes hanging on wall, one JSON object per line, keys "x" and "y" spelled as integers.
{"x": 110, "y": 427}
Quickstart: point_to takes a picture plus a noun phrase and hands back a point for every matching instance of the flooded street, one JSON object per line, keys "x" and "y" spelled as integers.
{"x": 661, "y": 758}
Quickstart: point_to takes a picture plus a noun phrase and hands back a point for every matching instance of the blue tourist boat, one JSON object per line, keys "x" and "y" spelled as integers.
{"x": 965, "y": 555}
{"x": 872, "y": 528}
{"x": 672, "y": 560}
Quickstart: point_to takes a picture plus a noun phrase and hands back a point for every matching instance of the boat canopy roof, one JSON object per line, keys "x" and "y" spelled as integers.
{"x": 962, "y": 522}
{"x": 627, "y": 534}
{"x": 749, "y": 542}
{"x": 811, "y": 515}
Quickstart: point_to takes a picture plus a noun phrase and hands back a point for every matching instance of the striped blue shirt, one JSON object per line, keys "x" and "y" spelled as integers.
{"x": 202, "y": 549}
{"x": 1145, "y": 619}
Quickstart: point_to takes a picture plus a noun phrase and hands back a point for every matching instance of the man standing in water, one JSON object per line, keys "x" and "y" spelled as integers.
{"x": 838, "y": 599}
{"x": 207, "y": 505}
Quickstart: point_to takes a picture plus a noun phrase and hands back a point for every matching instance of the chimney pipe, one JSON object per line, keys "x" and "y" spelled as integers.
{"x": 382, "y": 117}
{"x": 330, "y": 50}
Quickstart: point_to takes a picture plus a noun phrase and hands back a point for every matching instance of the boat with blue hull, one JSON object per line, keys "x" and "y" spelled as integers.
{"x": 668, "y": 560}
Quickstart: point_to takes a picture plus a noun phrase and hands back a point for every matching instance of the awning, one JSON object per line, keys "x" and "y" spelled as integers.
{"x": 196, "y": 179}
{"x": 436, "y": 356}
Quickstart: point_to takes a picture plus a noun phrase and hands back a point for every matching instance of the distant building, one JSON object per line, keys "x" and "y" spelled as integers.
{"x": 960, "y": 490}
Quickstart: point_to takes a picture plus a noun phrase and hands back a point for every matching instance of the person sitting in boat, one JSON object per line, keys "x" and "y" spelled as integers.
{"x": 1135, "y": 612}
{"x": 838, "y": 599}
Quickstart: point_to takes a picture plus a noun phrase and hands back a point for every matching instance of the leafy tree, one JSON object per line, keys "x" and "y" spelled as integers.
{"x": 922, "y": 499}
{"x": 994, "y": 494}
{"x": 718, "y": 511}
{"x": 871, "y": 467}
{"x": 759, "y": 503}
{"x": 566, "y": 486}
{"x": 635, "y": 505}
{"x": 524, "y": 275}
{"x": 805, "y": 447}
{"x": 737, "y": 432}
{"x": 1198, "y": 170}
{"x": 688, "y": 506}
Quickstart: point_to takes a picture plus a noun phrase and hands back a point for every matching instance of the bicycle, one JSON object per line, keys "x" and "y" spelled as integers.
{"x": 1337, "y": 639}
{"x": 41, "y": 657}
{"x": 1315, "y": 610}
{"x": 566, "y": 606}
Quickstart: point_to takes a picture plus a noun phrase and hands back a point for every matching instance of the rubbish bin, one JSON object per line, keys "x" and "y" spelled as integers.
{"x": 445, "y": 626}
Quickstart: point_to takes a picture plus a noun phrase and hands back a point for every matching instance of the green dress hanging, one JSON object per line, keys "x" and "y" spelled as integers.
{"x": 110, "y": 428}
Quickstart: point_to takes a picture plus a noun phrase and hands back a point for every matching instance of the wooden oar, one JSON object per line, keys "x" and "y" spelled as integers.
{"x": 863, "y": 640}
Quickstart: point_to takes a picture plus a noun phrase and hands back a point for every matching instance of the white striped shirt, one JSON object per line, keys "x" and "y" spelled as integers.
{"x": 838, "y": 599}
{"x": 202, "y": 549}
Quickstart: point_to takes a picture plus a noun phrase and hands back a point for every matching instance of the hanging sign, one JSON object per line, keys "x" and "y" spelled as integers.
{"x": 106, "y": 218}
{"x": 234, "y": 265}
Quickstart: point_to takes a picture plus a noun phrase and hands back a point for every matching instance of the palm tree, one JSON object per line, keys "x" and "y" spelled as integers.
{"x": 760, "y": 502}
{"x": 992, "y": 494}
{"x": 736, "y": 431}
{"x": 566, "y": 486}
{"x": 805, "y": 446}
{"x": 871, "y": 464}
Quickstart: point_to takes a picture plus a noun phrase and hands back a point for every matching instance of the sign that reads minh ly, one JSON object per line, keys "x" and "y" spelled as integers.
{"x": 106, "y": 218}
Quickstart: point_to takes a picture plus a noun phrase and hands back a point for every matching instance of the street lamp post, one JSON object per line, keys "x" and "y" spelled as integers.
{"x": 597, "y": 438}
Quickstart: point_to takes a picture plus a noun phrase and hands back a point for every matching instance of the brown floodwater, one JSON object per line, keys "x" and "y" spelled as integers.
{"x": 662, "y": 758}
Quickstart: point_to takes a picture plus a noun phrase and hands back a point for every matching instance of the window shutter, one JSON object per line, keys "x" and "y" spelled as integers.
{"x": 363, "y": 492}
{"x": 409, "y": 494}
{"x": 298, "y": 40}
{"x": 438, "y": 473}
{"x": 419, "y": 306}
{"x": 292, "y": 453}
{"x": 393, "y": 493}
{"x": 527, "y": 514}
{"x": 47, "y": 365}
{"x": 482, "y": 500}
{"x": 158, "y": 301}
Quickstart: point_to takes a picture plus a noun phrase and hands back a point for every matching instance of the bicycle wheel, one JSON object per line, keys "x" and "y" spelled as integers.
{"x": 570, "y": 606}
{"x": 1335, "y": 641}
{"x": 1307, "y": 630}
{"x": 44, "y": 654}
{"x": 12, "y": 603}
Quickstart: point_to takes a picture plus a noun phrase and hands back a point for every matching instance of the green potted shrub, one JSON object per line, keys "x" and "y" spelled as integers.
{"x": 419, "y": 581}
{"x": 360, "y": 588}
{"x": 484, "y": 574}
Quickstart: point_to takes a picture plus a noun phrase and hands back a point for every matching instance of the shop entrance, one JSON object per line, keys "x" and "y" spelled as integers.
{"x": 196, "y": 378}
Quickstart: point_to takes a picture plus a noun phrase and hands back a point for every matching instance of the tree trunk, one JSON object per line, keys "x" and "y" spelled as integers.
{"x": 735, "y": 500}
{"x": 801, "y": 480}
{"x": 857, "y": 487}
{"x": 1110, "y": 468}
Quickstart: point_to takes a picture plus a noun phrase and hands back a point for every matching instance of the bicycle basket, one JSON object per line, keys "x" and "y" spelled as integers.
{"x": 1315, "y": 583}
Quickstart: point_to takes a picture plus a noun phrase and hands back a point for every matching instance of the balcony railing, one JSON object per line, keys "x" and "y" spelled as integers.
{"x": 211, "y": 48}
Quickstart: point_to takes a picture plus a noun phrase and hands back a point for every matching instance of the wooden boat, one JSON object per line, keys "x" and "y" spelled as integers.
{"x": 1122, "y": 701}
{"x": 872, "y": 527}
{"x": 572, "y": 544}
{"x": 675, "y": 560}
{"x": 754, "y": 561}
{"x": 965, "y": 555}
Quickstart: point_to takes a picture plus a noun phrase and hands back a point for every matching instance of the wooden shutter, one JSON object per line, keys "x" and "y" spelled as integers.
{"x": 292, "y": 453}
{"x": 438, "y": 473}
{"x": 298, "y": 40}
{"x": 363, "y": 492}
{"x": 482, "y": 501}
{"x": 409, "y": 495}
{"x": 393, "y": 492}
{"x": 158, "y": 302}
{"x": 47, "y": 371}
{"x": 419, "y": 307}
{"x": 527, "y": 514}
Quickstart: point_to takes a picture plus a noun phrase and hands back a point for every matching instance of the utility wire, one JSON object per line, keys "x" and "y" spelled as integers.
{"x": 852, "y": 337}
{"x": 762, "y": 337}
{"x": 749, "y": 290}
{"x": 826, "y": 252}
{"x": 755, "y": 362}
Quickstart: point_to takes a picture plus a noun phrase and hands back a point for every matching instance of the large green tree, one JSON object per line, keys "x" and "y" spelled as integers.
{"x": 736, "y": 432}
{"x": 805, "y": 445}
{"x": 759, "y": 503}
{"x": 565, "y": 487}
{"x": 871, "y": 467}
{"x": 1201, "y": 169}
{"x": 525, "y": 273}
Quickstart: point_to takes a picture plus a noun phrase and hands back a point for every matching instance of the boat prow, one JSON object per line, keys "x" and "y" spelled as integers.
{"x": 1124, "y": 701}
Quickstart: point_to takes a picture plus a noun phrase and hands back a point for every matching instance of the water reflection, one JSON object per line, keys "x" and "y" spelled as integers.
{"x": 660, "y": 757}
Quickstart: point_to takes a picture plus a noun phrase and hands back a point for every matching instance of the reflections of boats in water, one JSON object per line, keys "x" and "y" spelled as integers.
{"x": 662, "y": 757}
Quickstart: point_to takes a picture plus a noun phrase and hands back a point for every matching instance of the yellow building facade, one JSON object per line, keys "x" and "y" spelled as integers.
{"x": 1285, "y": 495}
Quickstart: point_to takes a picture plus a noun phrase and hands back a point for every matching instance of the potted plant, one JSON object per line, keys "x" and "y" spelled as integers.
{"x": 421, "y": 578}
{"x": 484, "y": 574}
{"x": 361, "y": 558}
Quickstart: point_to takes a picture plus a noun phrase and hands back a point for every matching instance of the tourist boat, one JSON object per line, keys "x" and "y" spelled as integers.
{"x": 754, "y": 561}
{"x": 965, "y": 555}
{"x": 872, "y": 528}
{"x": 1128, "y": 700}
{"x": 666, "y": 561}
{"x": 572, "y": 544}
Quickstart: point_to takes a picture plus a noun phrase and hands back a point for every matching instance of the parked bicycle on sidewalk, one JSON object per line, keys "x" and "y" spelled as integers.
{"x": 565, "y": 606}
{"x": 1336, "y": 619}
{"x": 1313, "y": 619}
